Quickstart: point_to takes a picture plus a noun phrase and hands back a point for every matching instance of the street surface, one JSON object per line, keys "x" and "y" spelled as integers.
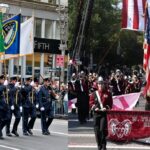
{"x": 58, "y": 140}
{"x": 82, "y": 137}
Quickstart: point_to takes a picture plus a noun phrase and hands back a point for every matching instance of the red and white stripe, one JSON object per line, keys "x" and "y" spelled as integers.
{"x": 132, "y": 15}
{"x": 146, "y": 66}
{"x": 145, "y": 60}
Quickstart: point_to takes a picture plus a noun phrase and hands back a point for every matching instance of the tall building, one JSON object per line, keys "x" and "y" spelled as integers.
{"x": 46, "y": 25}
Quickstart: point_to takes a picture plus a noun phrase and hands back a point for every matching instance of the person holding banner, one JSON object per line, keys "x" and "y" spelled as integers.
{"x": 101, "y": 101}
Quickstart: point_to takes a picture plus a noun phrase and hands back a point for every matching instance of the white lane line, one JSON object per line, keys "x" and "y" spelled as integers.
{"x": 82, "y": 135}
{"x": 109, "y": 147}
{"x": 58, "y": 133}
{"x": 7, "y": 147}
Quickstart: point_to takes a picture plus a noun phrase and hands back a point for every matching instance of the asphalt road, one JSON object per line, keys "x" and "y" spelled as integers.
{"x": 58, "y": 140}
{"x": 82, "y": 137}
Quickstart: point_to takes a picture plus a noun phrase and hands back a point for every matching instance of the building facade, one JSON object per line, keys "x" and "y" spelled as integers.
{"x": 46, "y": 25}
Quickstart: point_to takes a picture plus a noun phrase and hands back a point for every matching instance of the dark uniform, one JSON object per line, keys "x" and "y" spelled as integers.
{"x": 82, "y": 92}
{"x": 4, "y": 109}
{"x": 14, "y": 107}
{"x": 47, "y": 113}
{"x": 100, "y": 119}
{"x": 29, "y": 108}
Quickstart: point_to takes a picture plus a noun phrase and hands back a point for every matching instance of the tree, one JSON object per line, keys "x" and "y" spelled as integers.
{"x": 105, "y": 35}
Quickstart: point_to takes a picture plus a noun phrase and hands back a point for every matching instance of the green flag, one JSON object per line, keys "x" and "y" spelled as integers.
{"x": 1, "y": 34}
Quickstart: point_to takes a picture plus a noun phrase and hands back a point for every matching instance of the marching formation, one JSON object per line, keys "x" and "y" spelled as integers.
{"x": 24, "y": 100}
{"x": 94, "y": 94}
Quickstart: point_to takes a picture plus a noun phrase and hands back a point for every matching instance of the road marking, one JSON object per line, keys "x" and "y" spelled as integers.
{"x": 81, "y": 135}
{"x": 7, "y": 147}
{"x": 109, "y": 147}
{"x": 59, "y": 133}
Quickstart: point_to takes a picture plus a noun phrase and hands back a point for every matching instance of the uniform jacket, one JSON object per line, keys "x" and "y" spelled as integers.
{"x": 26, "y": 95}
{"x": 106, "y": 99}
{"x": 44, "y": 97}
{"x": 3, "y": 103}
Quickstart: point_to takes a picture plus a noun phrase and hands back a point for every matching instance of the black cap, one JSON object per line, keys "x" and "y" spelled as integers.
{"x": 2, "y": 77}
{"x": 46, "y": 79}
{"x": 36, "y": 80}
{"x": 28, "y": 79}
{"x": 13, "y": 78}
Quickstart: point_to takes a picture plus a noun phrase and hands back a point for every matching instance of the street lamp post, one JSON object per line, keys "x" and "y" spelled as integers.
{"x": 63, "y": 23}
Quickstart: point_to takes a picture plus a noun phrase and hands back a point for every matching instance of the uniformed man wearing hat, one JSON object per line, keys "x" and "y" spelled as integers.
{"x": 101, "y": 101}
{"x": 14, "y": 106}
{"x": 45, "y": 102}
{"x": 4, "y": 108}
{"x": 29, "y": 109}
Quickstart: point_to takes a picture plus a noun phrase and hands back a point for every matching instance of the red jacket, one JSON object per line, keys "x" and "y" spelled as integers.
{"x": 106, "y": 99}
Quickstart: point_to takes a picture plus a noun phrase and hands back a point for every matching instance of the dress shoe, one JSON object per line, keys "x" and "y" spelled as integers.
{"x": 48, "y": 132}
{"x": 25, "y": 133}
{"x": 45, "y": 133}
{"x": 9, "y": 134}
{"x": 15, "y": 133}
{"x": 30, "y": 132}
{"x": 1, "y": 138}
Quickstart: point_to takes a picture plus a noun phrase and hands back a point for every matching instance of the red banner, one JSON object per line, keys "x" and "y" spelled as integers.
{"x": 128, "y": 125}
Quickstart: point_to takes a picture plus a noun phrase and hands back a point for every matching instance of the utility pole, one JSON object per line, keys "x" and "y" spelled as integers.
{"x": 63, "y": 23}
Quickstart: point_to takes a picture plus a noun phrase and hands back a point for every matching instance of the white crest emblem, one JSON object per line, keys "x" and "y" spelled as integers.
{"x": 120, "y": 129}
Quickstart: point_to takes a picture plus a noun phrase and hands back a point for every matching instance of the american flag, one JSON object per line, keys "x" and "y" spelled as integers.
{"x": 133, "y": 15}
{"x": 146, "y": 66}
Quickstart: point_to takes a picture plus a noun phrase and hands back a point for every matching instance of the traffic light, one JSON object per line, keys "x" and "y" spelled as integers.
{"x": 50, "y": 60}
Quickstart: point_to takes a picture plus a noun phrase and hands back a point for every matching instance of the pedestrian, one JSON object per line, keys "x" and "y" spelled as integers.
{"x": 101, "y": 102}
{"x": 45, "y": 103}
{"x": 14, "y": 106}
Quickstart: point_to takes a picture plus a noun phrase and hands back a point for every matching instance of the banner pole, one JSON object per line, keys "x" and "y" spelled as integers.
{"x": 33, "y": 63}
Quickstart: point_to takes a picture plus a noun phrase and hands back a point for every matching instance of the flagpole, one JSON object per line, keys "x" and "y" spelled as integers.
{"x": 33, "y": 61}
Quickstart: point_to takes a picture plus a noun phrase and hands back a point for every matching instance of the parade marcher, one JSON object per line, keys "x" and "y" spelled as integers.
{"x": 4, "y": 108}
{"x": 82, "y": 92}
{"x": 14, "y": 106}
{"x": 147, "y": 104}
{"x": 45, "y": 102}
{"x": 101, "y": 101}
{"x": 117, "y": 84}
{"x": 29, "y": 109}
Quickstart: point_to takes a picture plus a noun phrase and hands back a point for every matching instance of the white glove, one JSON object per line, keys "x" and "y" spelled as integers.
{"x": 17, "y": 84}
{"x": 37, "y": 106}
{"x": 21, "y": 109}
{"x": 32, "y": 83}
{"x": 42, "y": 109}
{"x": 6, "y": 82}
{"x": 103, "y": 109}
{"x": 12, "y": 107}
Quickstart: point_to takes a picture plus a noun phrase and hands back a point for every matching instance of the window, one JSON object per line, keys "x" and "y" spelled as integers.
{"x": 57, "y": 30}
{"x": 48, "y": 29}
{"x": 38, "y": 27}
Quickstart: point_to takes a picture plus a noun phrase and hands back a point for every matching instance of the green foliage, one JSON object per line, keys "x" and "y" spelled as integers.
{"x": 105, "y": 33}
